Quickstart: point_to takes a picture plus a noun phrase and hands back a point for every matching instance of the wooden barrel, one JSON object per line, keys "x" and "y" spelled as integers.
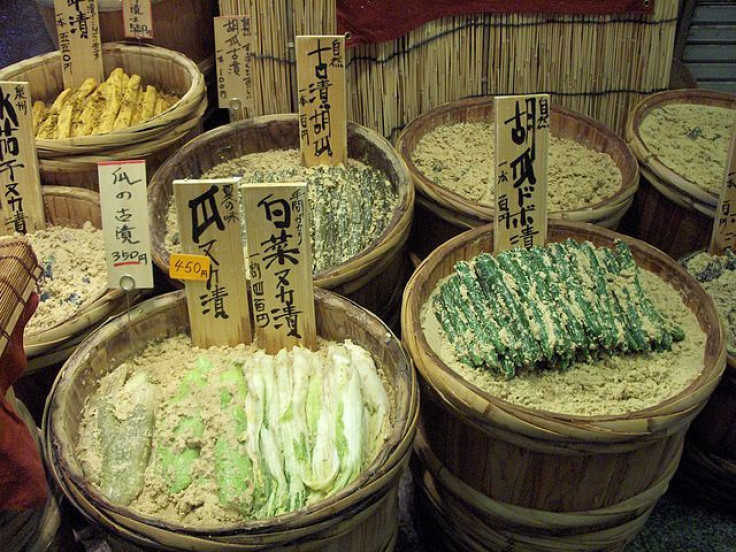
{"x": 363, "y": 516}
{"x": 560, "y": 470}
{"x": 371, "y": 278}
{"x": 181, "y": 25}
{"x": 442, "y": 214}
{"x": 670, "y": 212}
{"x": 708, "y": 468}
{"x": 46, "y": 349}
{"x": 73, "y": 161}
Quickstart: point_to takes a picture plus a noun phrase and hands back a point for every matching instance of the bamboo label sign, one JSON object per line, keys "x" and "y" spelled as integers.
{"x": 137, "y": 19}
{"x": 209, "y": 224}
{"x": 280, "y": 259}
{"x": 78, "y": 28}
{"x": 21, "y": 203}
{"x": 125, "y": 228}
{"x": 522, "y": 144}
{"x": 320, "y": 69}
{"x": 724, "y": 227}
{"x": 234, "y": 57}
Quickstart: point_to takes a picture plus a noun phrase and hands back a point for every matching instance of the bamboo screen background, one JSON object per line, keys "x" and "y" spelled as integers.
{"x": 598, "y": 65}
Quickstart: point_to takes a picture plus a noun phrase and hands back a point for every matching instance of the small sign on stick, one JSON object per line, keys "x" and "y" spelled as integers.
{"x": 137, "y": 19}
{"x": 78, "y": 28}
{"x": 21, "y": 203}
{"x": 522, "y": 143}
{"x": 724, "y": 226}
{"x": 124, "y": 206}
{"x": 209, "y": 225}
{"x": 280, "y": 259}
{"x": 320, "y": 68}
{"x": 234, "y": 56}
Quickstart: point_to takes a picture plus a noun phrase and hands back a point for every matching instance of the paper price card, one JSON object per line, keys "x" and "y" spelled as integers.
{"x": 78, "y": 28}
{"x": 320, "y": 69}
{"x": 209, "y": 225}
{"x": 724, "y": 227}
{"x": 522, "y": 143}
{"x": 189, "y": 267}
{"x": 234, "y": 57}
{"x": 125, "y": 224}
{"x": 280, "y": 260}
{"x": 21, "y": 204}
{"x": 137, "y": 19}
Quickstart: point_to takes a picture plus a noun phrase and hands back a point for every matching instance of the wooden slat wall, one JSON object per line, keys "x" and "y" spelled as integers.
{"x": 710, "y": 50}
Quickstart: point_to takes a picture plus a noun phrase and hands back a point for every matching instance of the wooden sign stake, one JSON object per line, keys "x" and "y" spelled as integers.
{"x": 320, "y": 68}
{"x": 280, "y": 259}
{"x": 522, "y": 145}
{"x": 234, "y": 46}
{"x": 209, "y": 224}
{"x": 78, "y": 27}
{"x": 21, "y": 202}
{"x": 137, "y": 19}
{"x": 124, "y": 206}
{"x": 724, "y": 224}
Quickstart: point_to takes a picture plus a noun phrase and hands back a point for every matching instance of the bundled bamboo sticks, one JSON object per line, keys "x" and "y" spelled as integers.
{"x": 598, "y": 65}
{"x": 20, "y": 272}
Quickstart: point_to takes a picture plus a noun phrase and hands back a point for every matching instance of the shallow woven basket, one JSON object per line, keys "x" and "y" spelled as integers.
{"x": 362, "y": 516}
{"x": 543, "y": 461}
{"x": 447, "y": 213}
{"x": 371, "y": 278}
{"x": 70, "y": 207}
{"x": 73, "y": 161}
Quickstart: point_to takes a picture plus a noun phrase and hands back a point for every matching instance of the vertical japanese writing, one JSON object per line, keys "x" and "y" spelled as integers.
{"x": 521, "y": 134}
{"x": 21, "y": 196}
{"x": 77, "y": 26}
{"x": 321, "y": 99}
{"x": 280, "y": 263}
{"x": 125, "y": 222}
{"x": 234, "y": 56}
{"x": 724, "y": 229}
{"x": 137, "y": 19}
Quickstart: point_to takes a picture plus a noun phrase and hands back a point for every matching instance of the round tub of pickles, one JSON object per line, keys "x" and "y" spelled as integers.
{"x": 449, "y": 151}
{"x": 557, "y": 386}
{"x": 235, "y": 449}
{"x": 360, "y": 214}
{"x": 150, "y": 104}
{"x": 680, "y": 139}
{"x": 709, "y": 459}
{"x": 74, "y": 297}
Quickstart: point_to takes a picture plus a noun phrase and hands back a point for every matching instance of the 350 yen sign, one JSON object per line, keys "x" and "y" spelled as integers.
{"x": 189, "y": 267}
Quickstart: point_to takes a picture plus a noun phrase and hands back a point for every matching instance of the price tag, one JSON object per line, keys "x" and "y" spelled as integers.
{"x": 21, "y": 203}
{"x": 320, "y": 69}
{"x": 234, "y": 57}
{"x": 522, "y": 145}
{"x": 209, "y": 225}
{"x": 137, "y": 19}
{"x": 280, "y": 261}
{"x": 724, "y": 226}
{"x": 78, "y": 27}
{"x": 189, "y": 267}
{"x": 124, "y": 206}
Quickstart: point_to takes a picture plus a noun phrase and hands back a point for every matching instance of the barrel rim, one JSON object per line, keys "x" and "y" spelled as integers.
{"x": 371, "y": 481}
{"x": 483, "y": 213}
{"x": 388, "y": 242}
{"x": 664, "y": 416}
{"x": 667, "y": 177}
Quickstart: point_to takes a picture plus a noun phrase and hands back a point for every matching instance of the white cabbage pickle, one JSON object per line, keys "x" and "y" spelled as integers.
{"x": 274, "y": 433}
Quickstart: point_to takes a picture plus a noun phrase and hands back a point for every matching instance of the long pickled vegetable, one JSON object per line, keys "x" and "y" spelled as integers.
{"x": 556, "y": 304}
